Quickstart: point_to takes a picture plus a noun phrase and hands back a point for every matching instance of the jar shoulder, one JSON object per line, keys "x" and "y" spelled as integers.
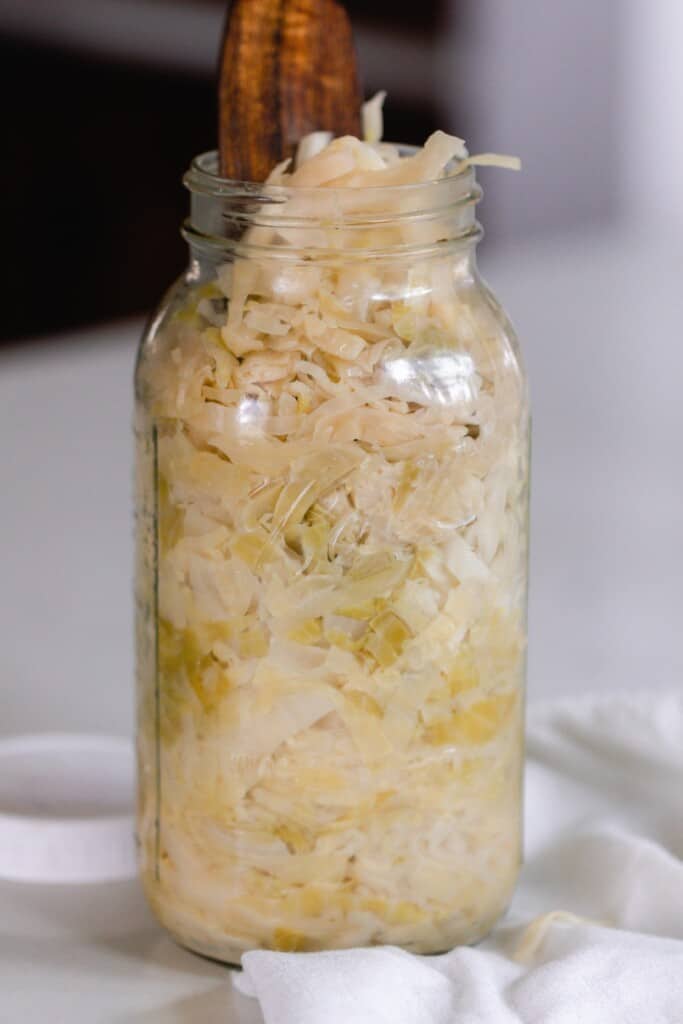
{"x": 431, "y": 335}
{"x": 507, "y": 333}
{"x": 154, "y": 347}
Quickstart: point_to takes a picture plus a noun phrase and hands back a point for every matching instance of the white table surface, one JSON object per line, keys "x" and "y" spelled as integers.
{"x": 601, "y": 323}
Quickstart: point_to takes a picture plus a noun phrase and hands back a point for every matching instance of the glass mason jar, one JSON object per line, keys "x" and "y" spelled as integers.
{"x": 332, "y": 462}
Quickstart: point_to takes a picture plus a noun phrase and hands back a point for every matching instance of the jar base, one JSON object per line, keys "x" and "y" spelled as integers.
{"x": 198, "y": 949}
{"x": 192, "y": 934}
{"x": 232, "y": 960}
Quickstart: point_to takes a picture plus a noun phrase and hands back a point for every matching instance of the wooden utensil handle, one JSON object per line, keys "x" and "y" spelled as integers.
{"x": 287, "y": 68}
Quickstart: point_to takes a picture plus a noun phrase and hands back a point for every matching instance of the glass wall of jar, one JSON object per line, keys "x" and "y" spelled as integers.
{"x": 332, "y": 460}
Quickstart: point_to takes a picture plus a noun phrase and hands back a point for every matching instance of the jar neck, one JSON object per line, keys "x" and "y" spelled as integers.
{"x": 391, "y": 223}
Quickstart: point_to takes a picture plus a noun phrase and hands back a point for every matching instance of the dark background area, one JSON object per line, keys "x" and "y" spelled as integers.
{"x": 107, "y": 101}
{"x": 91, "y": 199}
{"x": 95, "y": 204}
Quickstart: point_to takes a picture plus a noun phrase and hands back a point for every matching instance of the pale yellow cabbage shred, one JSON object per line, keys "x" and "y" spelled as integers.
{"x": 341, "y": 588}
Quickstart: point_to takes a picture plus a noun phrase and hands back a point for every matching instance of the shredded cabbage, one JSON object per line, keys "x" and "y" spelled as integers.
{"x": 330, "y": 741}
{"x": 372, "y": 119}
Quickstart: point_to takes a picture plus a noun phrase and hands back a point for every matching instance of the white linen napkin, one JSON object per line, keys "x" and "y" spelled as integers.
{"x": 595, "y": 932}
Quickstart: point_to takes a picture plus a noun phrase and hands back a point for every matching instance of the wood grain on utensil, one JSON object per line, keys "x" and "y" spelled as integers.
{"x": 287, "y": 68}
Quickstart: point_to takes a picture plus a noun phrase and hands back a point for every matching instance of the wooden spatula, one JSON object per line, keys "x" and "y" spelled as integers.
{"x": 287, "y": 68}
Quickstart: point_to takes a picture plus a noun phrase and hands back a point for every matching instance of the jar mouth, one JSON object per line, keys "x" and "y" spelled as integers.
{"x": 459, "y": 186}
{"x": 408, "y": 219}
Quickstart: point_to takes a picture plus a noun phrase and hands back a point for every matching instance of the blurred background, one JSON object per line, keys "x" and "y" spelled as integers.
{"x": 106, "y": 102}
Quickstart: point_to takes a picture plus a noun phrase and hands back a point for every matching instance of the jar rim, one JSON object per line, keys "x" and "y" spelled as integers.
{"x": 203, "y": 178}
{"x": 423, "y": 214}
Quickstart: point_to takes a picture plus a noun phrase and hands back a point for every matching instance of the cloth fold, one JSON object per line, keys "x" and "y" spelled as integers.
{"x": 595, "y": 931}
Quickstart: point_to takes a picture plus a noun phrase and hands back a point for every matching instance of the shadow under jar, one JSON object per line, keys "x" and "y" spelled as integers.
{"x": 332, "y": 462}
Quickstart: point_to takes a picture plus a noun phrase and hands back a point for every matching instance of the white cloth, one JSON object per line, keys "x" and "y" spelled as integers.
{"x": 604, "y": 845}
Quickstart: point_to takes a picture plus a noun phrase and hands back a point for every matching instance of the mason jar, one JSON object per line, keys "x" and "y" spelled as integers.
{"x": 332, "y": 463}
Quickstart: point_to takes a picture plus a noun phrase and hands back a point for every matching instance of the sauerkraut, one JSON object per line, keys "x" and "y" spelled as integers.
{"x": 331, "y": 582}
